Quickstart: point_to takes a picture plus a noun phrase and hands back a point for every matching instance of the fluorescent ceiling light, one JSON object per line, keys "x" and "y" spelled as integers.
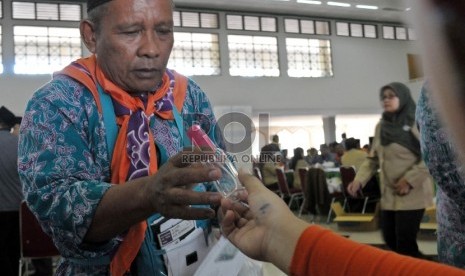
{"x": 368, "y": 7}
{"x": 339, "y": 4}
{"x": 309, "y": 2}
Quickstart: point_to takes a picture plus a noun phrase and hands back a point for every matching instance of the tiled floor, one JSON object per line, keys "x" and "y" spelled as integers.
{"x": 426, "y": 241}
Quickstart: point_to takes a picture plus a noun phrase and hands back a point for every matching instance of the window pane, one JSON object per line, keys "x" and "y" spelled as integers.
{"x": 308, "y": 57}
{"x": 268, "y": 24}
{"x": 342, "y": 28}
{"x": 307, "y": 27}
{"x": 253, "y": 56}
{"x": 47, "y": 11}
{"x": 388, "y": 32}
{"x": 190, "y": 19}
{"x": 370, "y": 31}
{"x": 356, "y": 30}
{"x": 401, "y": 33}
{"x": 322, "y": 27}
{"x": 23, "y": 10}
{"x": 70, "y": 12}
{"x": 42, "y": 50}
{"x": 234, "y": 22}
{"x": 1, "y": 15}
{"x": 251, "y": 23}
{"x": 291, "y": 25}
{"x": 195, "y": 54}
{"x": 209, "y": 20}
{"x": 1, "y": 51}
{"x": 411, "y": 34}
{"x": 177, "y": 18}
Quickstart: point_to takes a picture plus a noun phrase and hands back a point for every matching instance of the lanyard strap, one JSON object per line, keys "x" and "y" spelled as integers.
{"x": 180, "y": 124}
{"x": 109, "y": 120}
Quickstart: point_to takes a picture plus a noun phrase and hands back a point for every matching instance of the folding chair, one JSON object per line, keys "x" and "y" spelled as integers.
{"x": 347, "y": 176}
{"x": 342, "y": 216}
{"x": 34, "y": 243}
{"x": 292, "y": 193}
{"x": 303, "y": 182}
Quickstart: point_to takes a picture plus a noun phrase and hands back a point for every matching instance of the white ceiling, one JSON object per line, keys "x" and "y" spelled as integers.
{"x": 388, "y": 11}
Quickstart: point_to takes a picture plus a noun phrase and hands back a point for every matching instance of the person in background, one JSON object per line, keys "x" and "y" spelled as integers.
{"x": 267, "y": 230}
{"x": 96, "y": 197}
{"x": 366, "y": 148}
{"x": 269, "y": 164}
{"x": 325, "y": 155}
{"x": 10, "y": 195}
{"x": 405, "y": 184}
{"x": 343, "y": 141}
{"x": 439, "y": 154}
{"x": 269, "y": 155}
{"x": 312, "y": 154}
{"x": 339, "y": 151}
{"x": 297, "y": 162}
{"x": 353, "y": 156}
{"x": 274, "y": 145}
{"x": 284, "y": 160}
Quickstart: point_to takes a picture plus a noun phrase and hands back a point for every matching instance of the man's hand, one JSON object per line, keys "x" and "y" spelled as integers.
{"x": 170, "y": 191}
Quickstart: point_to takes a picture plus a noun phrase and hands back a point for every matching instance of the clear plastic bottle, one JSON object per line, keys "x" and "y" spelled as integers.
{"x": 228, "y": 185}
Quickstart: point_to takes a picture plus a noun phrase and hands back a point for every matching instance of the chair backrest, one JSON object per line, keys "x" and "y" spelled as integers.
{"x": 303, "y": 177}
{"x": 257, "y": 173}
{"x": 34, "y": 242}
{"x": 282, "y": 182}
{"x": 347, "y": 176}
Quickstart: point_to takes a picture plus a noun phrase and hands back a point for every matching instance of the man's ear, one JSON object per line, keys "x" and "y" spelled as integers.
{"x": 88, "y": 35}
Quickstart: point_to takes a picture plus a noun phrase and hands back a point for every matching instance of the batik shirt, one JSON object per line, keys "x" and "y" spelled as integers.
{"x": 438, "y": 154}
{"x": 64, "y": 164}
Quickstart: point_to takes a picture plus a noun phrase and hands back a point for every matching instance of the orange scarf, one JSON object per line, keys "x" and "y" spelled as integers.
{"x": 125, "y": 164}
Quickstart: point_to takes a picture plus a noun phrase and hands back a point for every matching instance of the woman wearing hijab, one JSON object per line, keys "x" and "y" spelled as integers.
{"x": 405, "y": 184}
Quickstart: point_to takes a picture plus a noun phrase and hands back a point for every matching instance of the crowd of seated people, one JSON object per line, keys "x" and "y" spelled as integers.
{"x": 347, "y": 153}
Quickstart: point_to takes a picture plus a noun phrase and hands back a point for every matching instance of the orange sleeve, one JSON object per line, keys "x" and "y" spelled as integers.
{"x": 321, "y": 252}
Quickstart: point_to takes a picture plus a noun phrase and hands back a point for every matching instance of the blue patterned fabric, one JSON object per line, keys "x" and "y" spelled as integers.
{"x": 64, "y": 164}
{"x": 439, "y": 156}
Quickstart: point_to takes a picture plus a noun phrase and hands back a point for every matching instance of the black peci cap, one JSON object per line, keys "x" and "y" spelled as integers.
{"x": 91, "y": 4}
{"x": 7, "y": 117}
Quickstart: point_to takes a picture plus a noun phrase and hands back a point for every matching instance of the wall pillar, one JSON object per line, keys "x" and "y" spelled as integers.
{"x": 329, "y": 128}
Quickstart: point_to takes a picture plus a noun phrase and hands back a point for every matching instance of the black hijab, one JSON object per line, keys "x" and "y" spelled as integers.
{"x": 396, "y": 127}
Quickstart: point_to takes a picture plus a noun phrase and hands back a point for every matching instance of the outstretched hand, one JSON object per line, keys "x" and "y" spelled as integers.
{"x": 267, "y": 230}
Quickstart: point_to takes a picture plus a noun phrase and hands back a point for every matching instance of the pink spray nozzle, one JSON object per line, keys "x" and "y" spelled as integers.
{"x": 200, "y": 138}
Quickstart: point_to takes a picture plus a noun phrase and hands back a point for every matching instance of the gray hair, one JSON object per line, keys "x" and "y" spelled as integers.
{"x": 95, "y": 16}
